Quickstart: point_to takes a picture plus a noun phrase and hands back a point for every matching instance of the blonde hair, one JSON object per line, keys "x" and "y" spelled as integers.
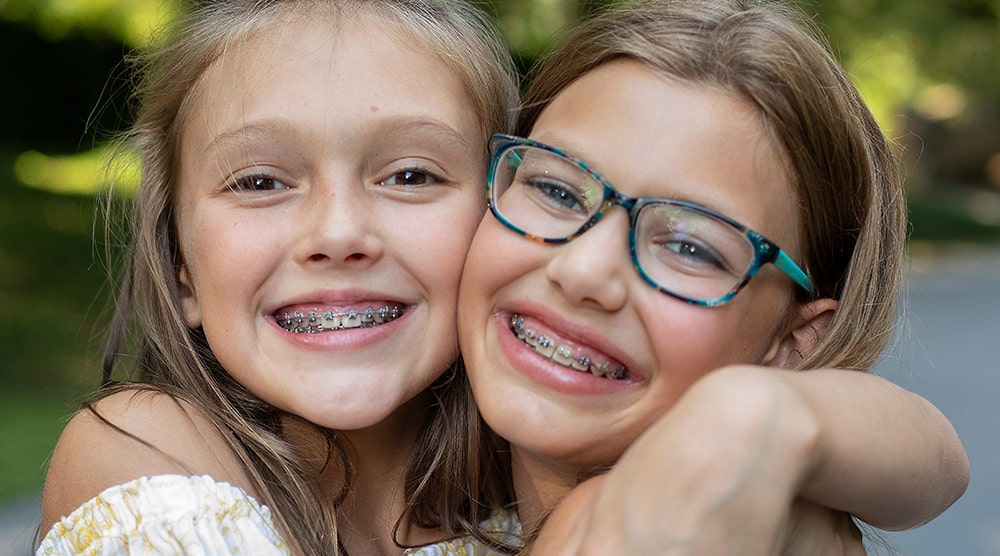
{"x": 853, "y": 208}
{"x": 174, "y": 359}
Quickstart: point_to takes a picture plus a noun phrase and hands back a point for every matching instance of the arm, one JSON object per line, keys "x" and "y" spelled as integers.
{"x": 811, "y": 530}
{"x": 883, "y": 454}
{"x": 744, "y": 442}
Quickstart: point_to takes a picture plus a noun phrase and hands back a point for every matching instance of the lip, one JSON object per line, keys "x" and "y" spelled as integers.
{"x": 341, "y": 301}
{"x": 554, "y": 375}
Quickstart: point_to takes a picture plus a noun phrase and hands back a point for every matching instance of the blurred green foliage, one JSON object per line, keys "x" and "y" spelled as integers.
{"x": 53, "y": 297}
{"x": 930, "y": 69}
{"x": 128, "y": 21}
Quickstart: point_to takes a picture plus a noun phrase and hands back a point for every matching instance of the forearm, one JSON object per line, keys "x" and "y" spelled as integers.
{"x": 882, "y": 453}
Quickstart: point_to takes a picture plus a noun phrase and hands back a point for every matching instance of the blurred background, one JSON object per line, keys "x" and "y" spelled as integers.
{"x": 929, "y": 69}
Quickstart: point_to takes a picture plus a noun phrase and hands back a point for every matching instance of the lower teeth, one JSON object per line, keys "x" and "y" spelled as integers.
{"x": 315, "y": 323}
{"x": 563, "y": 355}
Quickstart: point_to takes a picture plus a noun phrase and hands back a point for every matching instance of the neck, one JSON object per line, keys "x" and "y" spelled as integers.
{"x": 376, "y": 499}
{"x": 539, "y": 485}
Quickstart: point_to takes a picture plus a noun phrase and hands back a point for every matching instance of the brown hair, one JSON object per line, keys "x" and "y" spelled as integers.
{"x": 853, "y": 215}
{"x": 174, "y": 359}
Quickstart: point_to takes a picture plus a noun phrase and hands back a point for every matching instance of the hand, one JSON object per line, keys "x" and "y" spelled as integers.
{"x": 716, "y": 475}
{"x": 812, "y": 530}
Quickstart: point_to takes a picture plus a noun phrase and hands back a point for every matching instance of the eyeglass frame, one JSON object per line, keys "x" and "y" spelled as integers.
{"x": 765, "y": 250}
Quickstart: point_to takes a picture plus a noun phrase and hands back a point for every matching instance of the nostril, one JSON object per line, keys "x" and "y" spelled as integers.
{"x": 320, "y": 257}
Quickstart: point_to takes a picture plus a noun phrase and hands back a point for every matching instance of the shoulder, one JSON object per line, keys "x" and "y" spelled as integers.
{"x": 167, "y": 514}
{"x": 128, "y": 435}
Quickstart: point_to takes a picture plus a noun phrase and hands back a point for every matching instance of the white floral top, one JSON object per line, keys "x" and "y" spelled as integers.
{"x": 174, "y": 514}
{"x": 503, "y": 525}
{"x": 166, "y": 514}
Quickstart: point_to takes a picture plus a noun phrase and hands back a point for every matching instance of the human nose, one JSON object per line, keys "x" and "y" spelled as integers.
{"x": 593, "y": 268}
{"x": 342, "y": 225}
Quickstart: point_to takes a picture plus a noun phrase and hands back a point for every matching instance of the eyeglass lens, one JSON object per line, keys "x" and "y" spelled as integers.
{"x": 680, "y": 249}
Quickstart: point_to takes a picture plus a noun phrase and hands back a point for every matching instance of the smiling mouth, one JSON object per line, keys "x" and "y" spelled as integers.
{"x": 317, "y": 322}
{"x": 564, "y": 355}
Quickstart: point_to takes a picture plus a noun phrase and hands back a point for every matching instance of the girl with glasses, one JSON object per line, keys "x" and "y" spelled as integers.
{"x": 699, "y": 215}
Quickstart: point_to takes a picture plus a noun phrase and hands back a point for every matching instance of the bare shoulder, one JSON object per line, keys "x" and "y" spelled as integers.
{"x": 128, "y": 435}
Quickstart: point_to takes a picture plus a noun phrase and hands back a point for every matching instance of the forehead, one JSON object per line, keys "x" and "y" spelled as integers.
{"x": 319, "y": 61}
{"x": 654, "y": 136}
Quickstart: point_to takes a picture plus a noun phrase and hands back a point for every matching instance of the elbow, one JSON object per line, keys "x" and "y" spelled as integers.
{"x": 951, "y": 480}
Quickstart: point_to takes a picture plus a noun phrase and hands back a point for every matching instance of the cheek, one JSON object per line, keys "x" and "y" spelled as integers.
{"x": 496, "y": 257}
{"x": 689, "y": 341}
{"x": 439, "y": 250}
{"x": 227, "y": 260}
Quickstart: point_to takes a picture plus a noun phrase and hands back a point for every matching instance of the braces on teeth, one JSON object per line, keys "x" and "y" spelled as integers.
{"x": 314, "y": 323}
{"x": 563, "y": 355}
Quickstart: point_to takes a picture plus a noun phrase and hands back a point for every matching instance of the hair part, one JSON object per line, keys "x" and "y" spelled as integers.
{"x": 178, "y": 361}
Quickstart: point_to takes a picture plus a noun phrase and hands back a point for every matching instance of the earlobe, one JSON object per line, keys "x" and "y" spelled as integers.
{"x": 811, "y": 322}
{"x": 189, "y": 299}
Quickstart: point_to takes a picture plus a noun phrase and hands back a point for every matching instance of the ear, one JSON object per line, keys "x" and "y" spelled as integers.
{"x": 189, "y": 299}
{"x": 811, "y": 322}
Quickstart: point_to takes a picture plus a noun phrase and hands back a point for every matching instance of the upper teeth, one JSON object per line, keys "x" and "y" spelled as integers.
{"x": 563, "y": 355}
{"x": 313, "y": 322}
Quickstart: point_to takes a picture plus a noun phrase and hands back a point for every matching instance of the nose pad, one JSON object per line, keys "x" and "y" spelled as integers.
{"x": 594, "y": 268}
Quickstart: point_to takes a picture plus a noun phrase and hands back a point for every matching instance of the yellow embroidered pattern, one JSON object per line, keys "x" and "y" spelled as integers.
{"x": 166, "y": 514}
{"x": 174, "y": 514}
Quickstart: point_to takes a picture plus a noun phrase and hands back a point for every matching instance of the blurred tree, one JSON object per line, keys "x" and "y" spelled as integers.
{"x": 533, "y": 25}
{"x": 128, "y": 21}
{"x": 937, "y": 63}
{"x": 63, "y": 58}
{"x": 929, "y": 69}
{"x": 57, "y": 93}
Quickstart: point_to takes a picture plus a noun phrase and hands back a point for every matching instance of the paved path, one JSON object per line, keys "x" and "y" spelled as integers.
{"x": 948, "y": 351}
{"x": 18, "y": 520}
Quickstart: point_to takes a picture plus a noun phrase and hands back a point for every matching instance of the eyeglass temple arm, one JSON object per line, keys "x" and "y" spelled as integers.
{"x": 786, "y": 264}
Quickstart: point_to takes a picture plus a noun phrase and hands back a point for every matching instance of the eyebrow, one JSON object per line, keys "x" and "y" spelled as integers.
{"x": 261, "y": 129}
{"x": 420, "y": 124}
{"x": 442, "y": 131}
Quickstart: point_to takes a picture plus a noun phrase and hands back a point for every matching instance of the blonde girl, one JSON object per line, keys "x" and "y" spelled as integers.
{"x": 666, "y": 151}
{"x": 311, "y": 176}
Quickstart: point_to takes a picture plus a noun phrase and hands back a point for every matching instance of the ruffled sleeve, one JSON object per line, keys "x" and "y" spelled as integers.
{"x": 167, "y": 514}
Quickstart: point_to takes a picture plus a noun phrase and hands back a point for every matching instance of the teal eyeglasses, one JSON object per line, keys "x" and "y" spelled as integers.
{"x": 682, "y": 249}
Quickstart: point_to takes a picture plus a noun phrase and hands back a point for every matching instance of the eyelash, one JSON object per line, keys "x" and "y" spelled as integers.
{"x": 251, "y": 183}
{"x": 259, "y": 182}
{"x": 430, "y": 177}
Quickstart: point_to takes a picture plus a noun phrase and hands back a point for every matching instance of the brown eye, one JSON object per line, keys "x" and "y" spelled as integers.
{"x": 257, "y": 183}
{"x": 408, "y": 177}
{"x": 411, "y": 177}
